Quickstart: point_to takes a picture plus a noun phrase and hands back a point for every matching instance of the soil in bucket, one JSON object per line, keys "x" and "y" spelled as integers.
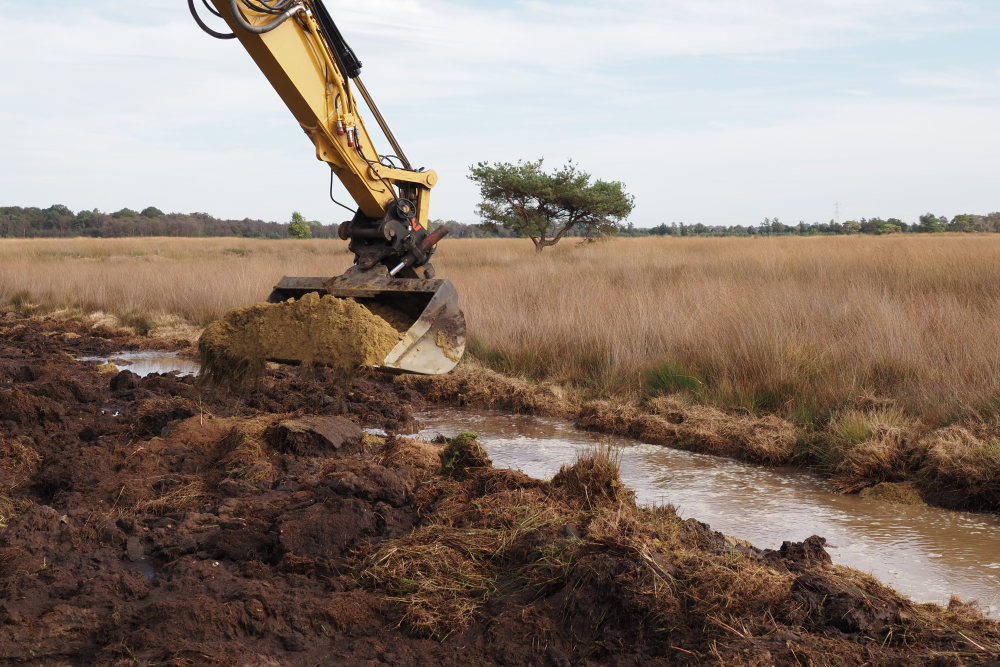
{"x": 324, "y": 331}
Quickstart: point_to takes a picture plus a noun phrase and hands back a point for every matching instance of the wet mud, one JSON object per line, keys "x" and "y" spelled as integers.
{"x": 151, "y": 521}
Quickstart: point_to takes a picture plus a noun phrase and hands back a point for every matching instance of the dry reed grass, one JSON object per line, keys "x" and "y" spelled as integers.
{"x": 18, "y": 462}
{"x": 243, "y": 454}
{"x": 185, "y": 495}
{"x": 794, "y": 326}
{"x": 797, "y": 326}
{"x": 149, "y": 280}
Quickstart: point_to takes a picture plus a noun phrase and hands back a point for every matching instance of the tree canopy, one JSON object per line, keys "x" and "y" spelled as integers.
{"x": 298, "y": 228}
{"x": 545, "y": 206}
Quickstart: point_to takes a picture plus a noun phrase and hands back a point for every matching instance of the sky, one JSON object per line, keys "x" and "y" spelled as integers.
{"x": 722, "y": 112}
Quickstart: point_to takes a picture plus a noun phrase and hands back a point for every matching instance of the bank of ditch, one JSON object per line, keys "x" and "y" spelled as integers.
{"x": 864, "y": 445}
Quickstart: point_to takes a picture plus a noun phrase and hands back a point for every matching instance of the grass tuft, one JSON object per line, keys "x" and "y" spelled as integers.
{"x": 594, "y": 480}
{"x": 180, "y": 497}
{"x": 462, "y": 455}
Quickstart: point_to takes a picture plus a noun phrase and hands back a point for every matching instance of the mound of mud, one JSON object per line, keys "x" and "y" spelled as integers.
{"x": 327, "y": 331}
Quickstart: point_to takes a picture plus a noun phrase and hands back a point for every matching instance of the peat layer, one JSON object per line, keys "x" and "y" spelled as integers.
{"x": 144, "y": 522}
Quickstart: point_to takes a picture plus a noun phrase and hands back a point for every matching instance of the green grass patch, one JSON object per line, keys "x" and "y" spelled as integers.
{"x": 670, "y": 378}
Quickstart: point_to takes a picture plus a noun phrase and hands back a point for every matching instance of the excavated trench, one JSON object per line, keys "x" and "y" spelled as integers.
{"x": 925, "y": 552}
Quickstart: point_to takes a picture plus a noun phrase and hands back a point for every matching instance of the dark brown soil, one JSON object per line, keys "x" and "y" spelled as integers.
{"x": 150, "y": 521}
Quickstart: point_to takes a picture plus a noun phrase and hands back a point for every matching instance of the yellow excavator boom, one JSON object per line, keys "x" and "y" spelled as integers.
{"x": 303, "y": 69}
{"x": 300, "y": 50}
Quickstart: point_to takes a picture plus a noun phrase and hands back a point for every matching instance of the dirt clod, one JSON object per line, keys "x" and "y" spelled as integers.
{"x": 317, "y": 435}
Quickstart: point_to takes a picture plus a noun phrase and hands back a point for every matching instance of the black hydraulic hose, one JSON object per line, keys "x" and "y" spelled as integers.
{"x": 201, "y": 24}
{"x": 371, "y": 165}
{"x": 211, "y": 8}
{"x": 261, "y": 9}
{"x": 347, "y": 60}
{"x": 334, "y": 200}
{"x": 261, "y": 29}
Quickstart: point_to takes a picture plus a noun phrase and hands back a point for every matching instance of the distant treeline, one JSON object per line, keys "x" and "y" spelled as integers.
{"x": 60, "y": 221}
{"x": 929, "y": 223}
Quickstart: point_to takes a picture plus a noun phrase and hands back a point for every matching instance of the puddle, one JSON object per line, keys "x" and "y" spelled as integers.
{"x": 924, "y": 552}
{"x": 142, "y": 566}
{"x": 146, "y": 363}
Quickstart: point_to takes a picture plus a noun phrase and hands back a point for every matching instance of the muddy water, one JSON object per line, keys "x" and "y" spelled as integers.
{"x": 924, "y": 552}
{"x": 145, "y": 363}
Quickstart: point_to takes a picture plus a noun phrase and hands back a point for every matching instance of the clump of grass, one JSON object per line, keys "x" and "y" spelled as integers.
{"x": 18, "y": 462}
{"x": 442, "y": 576}
{"x": 871, "y": 447}
{"x": 462, "y": 455}
{"x": 395, "y": 452}
{"x": 220, "y": 367}
{"x": 20, "y": 301}
{"x": 245, "y": 457}
{"x": 669, "y": 420}
{"x": 180, "y": 497}
{"x": 10, "y": 508}
{"x": 594, "y": 480}
{"x": 958, "y": 459}
{"x": 475, "y": 385}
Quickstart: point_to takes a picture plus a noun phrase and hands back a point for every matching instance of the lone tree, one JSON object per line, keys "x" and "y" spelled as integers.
{"x": 298, "y": 228}
{"x": 544, "y": 207}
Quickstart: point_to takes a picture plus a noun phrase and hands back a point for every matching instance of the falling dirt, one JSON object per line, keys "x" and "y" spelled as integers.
{"x": 147, "y": 522}
{"x": 338, "y": 333}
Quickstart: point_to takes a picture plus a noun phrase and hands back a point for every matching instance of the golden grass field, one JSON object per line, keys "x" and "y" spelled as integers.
{"x": 799, "y": 327}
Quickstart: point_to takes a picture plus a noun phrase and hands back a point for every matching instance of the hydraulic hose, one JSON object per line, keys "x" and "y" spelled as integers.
{"x": 201, "y": 24}
{"x": 261, "y": 29}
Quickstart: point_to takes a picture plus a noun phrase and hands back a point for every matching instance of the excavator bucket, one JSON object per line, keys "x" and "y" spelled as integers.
{"x": 435, "y": 341}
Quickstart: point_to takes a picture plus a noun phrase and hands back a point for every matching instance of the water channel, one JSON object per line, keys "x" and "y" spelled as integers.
{"x": 923, "y": 552}
{"x": 146, "y": 363}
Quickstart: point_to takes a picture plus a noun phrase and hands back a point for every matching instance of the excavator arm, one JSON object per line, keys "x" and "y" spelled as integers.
{"x": 317, "y": 75}
{"x": 298, "y": 47}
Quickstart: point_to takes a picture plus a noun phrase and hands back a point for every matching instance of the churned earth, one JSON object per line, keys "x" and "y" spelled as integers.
{"x": 150, "y": 521}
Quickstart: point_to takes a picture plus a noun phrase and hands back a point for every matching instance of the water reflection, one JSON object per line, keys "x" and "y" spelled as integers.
{"x": 924, "y": 552}
{"x": 146, "y": 363}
